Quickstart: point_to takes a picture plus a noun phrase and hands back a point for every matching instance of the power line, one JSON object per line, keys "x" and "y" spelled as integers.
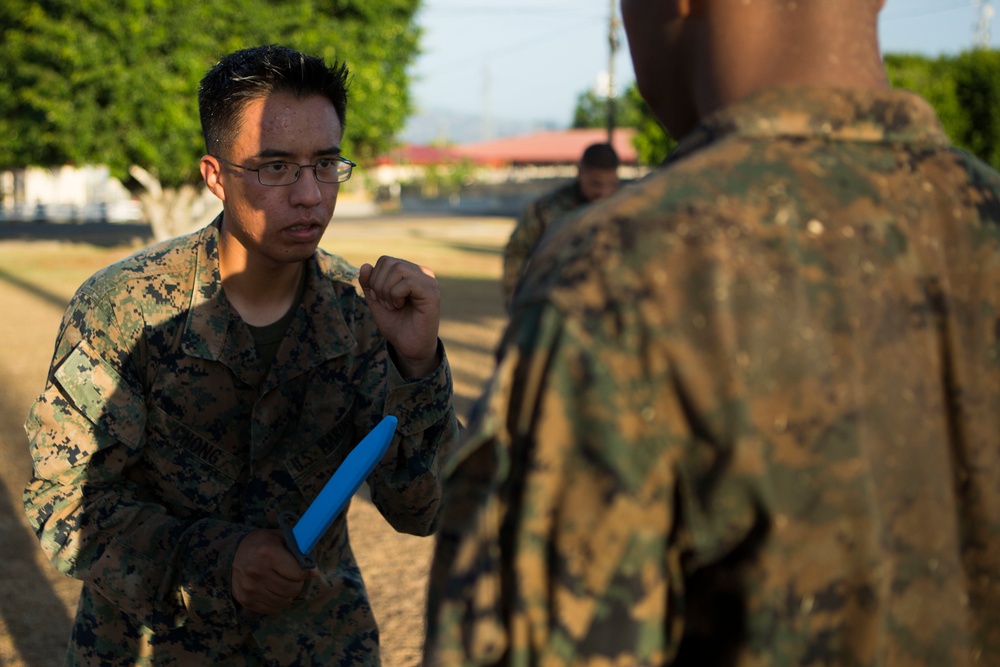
{"x": 924, "y": 9}
{"x": 518, "y": 46}
{"x": 534, "y": 11}
{"x": 503, "y": 9}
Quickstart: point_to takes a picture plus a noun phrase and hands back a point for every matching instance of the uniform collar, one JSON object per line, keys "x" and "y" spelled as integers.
{"x": 800, "y": 112}
{"x": 215, "y": 331}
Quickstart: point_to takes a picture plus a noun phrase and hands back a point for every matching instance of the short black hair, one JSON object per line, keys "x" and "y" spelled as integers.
{"x": 255, "y": 73}
{"x": 599, "y": 156}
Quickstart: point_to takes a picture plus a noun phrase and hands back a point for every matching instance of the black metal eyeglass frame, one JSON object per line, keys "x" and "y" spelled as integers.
{"x": 341, "y": 177}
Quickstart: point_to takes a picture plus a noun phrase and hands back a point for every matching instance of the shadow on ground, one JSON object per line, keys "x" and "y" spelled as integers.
{"x": 32, "y": 610}
{"x": 103, "y": 234}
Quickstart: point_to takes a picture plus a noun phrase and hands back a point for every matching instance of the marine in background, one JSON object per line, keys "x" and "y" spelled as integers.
{"x": 596, "y": 178}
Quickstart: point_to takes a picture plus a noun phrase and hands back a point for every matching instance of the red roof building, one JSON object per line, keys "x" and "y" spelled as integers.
{"x": 561, "y": 147}
{"x": 557, "y": 147}
{"x": 414, "y": 154}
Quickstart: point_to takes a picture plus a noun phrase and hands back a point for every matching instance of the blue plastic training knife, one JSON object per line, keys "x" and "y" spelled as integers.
{"x": 301, "y": 535}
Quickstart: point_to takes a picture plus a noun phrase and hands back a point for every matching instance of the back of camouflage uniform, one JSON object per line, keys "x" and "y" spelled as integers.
{"x": 746, "y": 412}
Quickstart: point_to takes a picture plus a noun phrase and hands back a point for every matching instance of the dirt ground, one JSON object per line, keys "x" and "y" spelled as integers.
{"x": 37, "y": 276}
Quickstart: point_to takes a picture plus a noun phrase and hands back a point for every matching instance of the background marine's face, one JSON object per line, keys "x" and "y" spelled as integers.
{"x": 597, "y": 183}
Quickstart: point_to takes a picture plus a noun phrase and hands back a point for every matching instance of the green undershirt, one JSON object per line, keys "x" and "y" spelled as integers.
{"x": 268, "y": 338}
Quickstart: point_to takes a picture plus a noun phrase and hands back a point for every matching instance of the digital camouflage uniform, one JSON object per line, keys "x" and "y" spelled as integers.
{"x": 747, "y": 412}
{"x": 531, "y": 225}
{"x": 160, "y": 442}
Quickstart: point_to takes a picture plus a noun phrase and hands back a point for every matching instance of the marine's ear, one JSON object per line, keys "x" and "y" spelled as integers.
{"x": 211, "y": 171}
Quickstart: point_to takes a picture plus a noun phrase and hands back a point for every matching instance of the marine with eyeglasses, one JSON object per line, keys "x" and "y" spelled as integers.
{"x": 207, "y": 383}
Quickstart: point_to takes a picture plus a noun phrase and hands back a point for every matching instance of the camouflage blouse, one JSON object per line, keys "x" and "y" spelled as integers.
{"x": 529, "y": 229}
{"x": 160, "y": 441}
{"x": 747, "y": 411}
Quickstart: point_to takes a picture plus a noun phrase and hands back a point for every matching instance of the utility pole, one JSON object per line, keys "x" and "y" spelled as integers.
{"x": 487, "y": 124}
{"x": 613, "y": 44}
{"x": 981, "y": 35}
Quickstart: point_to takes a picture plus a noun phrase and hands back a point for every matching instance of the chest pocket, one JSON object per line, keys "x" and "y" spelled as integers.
{"x": 312, "y": 465}
{"x": 185, "y": 471}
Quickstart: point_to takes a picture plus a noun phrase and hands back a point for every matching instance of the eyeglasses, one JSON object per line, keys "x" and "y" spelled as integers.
{"x": 328, "y": 170}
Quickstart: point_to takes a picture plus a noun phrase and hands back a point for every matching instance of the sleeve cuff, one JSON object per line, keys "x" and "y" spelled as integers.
{"x": 419, "y": 403}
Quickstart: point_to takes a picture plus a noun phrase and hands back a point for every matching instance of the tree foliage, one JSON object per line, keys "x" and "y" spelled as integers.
{"x": 115, "y": 81}
{"x": 932, "y": 78}
{"x": 651, "y": 142}
{"x": 592, "y": 111}
{"x": 977, "y": 89}
{"x": 964, "y": 91}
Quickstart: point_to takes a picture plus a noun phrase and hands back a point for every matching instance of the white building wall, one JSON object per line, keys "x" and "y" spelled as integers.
{"x": 72, "y": 185}
{"x": 66, "y": 193}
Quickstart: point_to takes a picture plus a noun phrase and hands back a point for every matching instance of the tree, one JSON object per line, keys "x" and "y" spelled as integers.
{"x": 592, "y": 111}
{"x": 934, "y": 80}
{"x": 964, "y": 91}
{"x": 651, "y": 141}
{"x": 115, "y": 81}
{"x": 977, "y": 90}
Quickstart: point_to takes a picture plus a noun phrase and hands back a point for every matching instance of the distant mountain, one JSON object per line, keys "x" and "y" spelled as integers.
{"x": 450, "y": 127}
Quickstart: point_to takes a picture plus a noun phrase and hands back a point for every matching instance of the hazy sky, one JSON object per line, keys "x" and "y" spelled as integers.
{"x": 530, "y": 59}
